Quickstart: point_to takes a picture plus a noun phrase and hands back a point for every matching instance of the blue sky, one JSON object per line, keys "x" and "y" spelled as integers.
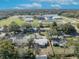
{"x": 39, "y": 4}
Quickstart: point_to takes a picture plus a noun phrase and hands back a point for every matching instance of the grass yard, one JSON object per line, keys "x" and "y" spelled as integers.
{"x": 44, "y": 33}
{"x": 72, "y": 38}
{"x": 9, "y": 20}
{"x": 57, "y": 50}
{"x": 35, "y": 23}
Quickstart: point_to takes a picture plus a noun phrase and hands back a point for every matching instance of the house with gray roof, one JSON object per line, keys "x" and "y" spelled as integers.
{"x": 59, "y": 41}
{"x": 41, "y": 56}
{"x": 41, "y": 41}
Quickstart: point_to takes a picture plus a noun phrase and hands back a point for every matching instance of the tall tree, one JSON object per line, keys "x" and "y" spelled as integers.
{"x": 53, "y": 25}
{"x": 30, "y": 43}
{"x": 14, "y": 27}
{"x": 68, "y": 28}
{"x": 76, "y": 49}
{"x": 49, "y": 36}
{"x": 26, "y": 26}
{"x": 7, "y": 50}
{"x": 29, "y": 54}
{"x": 5, "y": 28}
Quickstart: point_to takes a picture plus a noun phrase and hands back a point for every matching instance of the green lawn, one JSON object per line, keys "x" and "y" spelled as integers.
{"x": 35, "y": 23}
{"x": 9, "y": 20}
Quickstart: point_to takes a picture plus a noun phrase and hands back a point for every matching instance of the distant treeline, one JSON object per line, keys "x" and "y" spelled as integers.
{"x": 68, "y": 13}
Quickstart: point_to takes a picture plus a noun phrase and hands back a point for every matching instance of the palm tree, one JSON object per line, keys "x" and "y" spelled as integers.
{"x": 49, "y": 38}
{"x": 52, "y": 31}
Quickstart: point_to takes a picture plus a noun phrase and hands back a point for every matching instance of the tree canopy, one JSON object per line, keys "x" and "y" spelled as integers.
{"x": 7, "y": 50}
{"x": 13, "y": 27}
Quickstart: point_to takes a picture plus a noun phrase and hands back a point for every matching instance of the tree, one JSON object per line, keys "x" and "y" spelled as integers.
{"x": 26, "y": 26}
{"x": 68, "y": 28}
{"x": 5, "y": 28}
{"x": 49, "y": 36}
{"x": 14, "y": 27}
{"x": 7, "y": 50}
{"x": 30, "y": 43}
{"x": 53, "y": 25}
{"x": 77, "y": 25}
{"x": 35, "y": 17}
{"x": 54, "y": 32}
{"x": 55, "y": 29}
{"x": 76, "y": 49}
{"x": 29, "y": 54}
{"x": 57, "y": 56}
{"x": 41, "y": 25}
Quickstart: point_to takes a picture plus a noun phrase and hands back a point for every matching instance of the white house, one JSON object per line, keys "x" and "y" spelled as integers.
{"x": 1, "y": 29}
{"x": 19, "y": 40}
{"x": 41, "y": 56}
{"x": 44, "y": 29}
{"x": 2, "y": 35}
{"x": 41, "y": 41}
{"x": 27, "y": 17}
{"x": 52, "y": 17}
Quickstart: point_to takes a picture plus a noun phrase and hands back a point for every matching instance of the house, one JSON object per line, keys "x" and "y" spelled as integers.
{"x": 20, "y": 39}
{"x": 33, "y": 30}
{"x": 1, "y": 29}
{"x": 57, "y": 17}
{"x": 41, "y": 57}
{"x": 52, "y": 17}
{"x": 44, "y": 29}
{"x": 27, "y": 18}
{"x": 2, "y": 35}
{"x": 48, "y": 17}
{"x": 40, "y": 18}
{"x": 59, "y": 41}
{"x": 41, "y": 41}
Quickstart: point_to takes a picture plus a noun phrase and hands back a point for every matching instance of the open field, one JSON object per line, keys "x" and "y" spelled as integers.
{"x": 11, "y": 19}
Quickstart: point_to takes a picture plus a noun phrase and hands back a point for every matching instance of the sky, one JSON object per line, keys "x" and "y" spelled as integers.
{"x": 39, "y": 4}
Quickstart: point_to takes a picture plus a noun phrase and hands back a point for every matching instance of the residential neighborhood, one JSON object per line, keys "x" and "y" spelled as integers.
{"x": 48, "y": 36}
{"x": 39, "y": 29}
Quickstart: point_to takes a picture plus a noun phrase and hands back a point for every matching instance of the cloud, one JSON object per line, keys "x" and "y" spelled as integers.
{"x": 68, "y": 2}
{"x": 42, "y": 0}
{"x": 28, "y": 6}
{"x": 75, "y": 3}
{"x": 31, "y": 5}
{"x": 17, "y": 7}
{"x": 63, "y": 2}
{"x": 5, "y": 0}
{"x": 56, "y": 6}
